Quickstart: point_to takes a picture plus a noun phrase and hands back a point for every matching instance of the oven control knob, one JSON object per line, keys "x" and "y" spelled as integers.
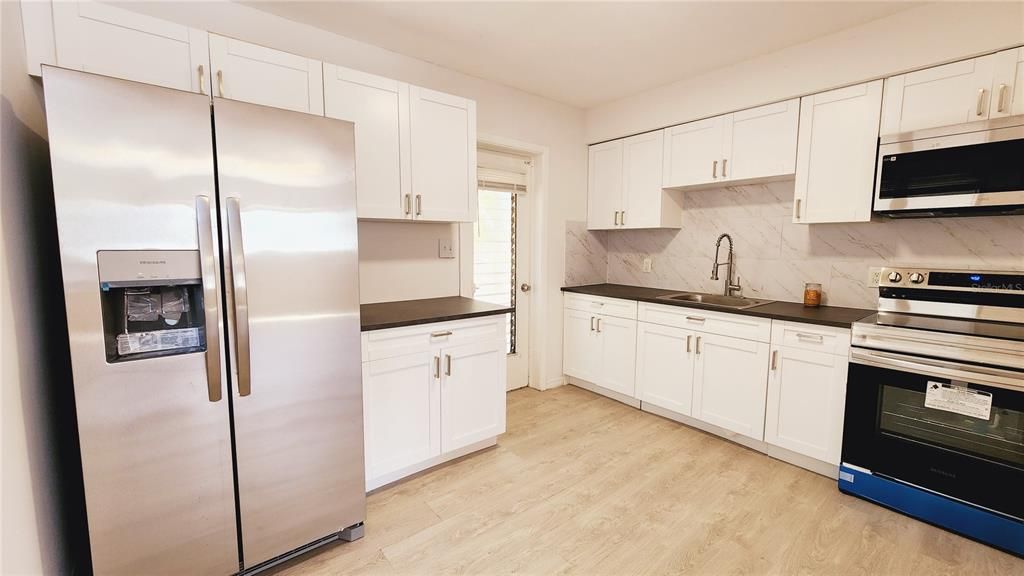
{"x": 895, "y": 277}
{"x": 916, "y": 278}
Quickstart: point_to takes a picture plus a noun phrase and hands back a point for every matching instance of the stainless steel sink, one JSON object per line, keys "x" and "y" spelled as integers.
{"x": 716, "y": 300}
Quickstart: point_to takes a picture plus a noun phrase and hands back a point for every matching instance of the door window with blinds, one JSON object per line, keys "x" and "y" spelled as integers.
{"x": 502, "y": 179}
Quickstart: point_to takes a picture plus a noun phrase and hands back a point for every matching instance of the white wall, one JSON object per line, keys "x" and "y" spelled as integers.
{"x": 38, "y": 478}
{"x": 501, "y": 111}
{"x": 915, "y": 38}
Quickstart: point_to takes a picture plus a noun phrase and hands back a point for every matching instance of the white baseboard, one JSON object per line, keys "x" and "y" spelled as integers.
{"x": 618, "y": 396}
{"x": 392, "y": 477}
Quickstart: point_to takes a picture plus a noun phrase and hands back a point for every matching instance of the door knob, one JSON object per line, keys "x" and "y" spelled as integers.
{"x": 525, "y": 287}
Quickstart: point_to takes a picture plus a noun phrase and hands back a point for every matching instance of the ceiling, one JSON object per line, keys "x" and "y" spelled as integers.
{"x": 582, "y": 53}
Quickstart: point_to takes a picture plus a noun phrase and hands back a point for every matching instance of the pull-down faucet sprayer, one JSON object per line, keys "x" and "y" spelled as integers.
{"x": 729, "y": 286}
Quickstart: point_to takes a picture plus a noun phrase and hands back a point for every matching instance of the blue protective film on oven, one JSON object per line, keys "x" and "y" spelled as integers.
{"x": 982, "y": 525}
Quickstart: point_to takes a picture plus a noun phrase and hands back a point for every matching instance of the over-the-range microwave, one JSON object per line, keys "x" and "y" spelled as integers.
{"x": 967, "y": 169}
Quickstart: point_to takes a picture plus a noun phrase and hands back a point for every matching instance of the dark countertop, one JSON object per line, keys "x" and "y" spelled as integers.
{"x": 792, "y": 311}
{"x": 413, "y": 312}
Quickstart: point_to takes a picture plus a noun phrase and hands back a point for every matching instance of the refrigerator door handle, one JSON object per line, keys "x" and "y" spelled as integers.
{"x": 241, "y": 296}
{"x": 204, "y": 227}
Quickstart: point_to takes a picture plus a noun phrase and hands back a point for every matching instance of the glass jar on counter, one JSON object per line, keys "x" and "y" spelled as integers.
{"x": 812, "y": 294}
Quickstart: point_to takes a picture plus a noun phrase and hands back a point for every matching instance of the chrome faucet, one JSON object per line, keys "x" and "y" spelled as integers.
{"x": 729, "y": 286}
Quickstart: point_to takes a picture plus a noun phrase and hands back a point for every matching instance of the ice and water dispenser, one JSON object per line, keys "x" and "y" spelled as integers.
{"x": 152, "y": 303}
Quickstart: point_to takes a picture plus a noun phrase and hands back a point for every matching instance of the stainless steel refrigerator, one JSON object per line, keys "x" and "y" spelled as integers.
{"x": 210, "y": 275}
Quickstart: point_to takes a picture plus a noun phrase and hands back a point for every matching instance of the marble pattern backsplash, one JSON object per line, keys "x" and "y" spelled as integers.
{"x": 774, "y": 257}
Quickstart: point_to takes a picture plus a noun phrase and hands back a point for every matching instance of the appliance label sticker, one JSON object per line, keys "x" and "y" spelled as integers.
{"x": 958, "y": 399}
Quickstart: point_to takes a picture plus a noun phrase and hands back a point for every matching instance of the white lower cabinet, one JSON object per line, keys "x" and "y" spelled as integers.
{"x": 806, "y": 400}
{"x": 664, "y": 367}
{"x": 601, "y": 350}
{"x": 431, "y": 393}
{"x": 729, "y": 383}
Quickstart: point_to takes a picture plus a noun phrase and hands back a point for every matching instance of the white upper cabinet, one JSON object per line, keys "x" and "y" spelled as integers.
{"x": 1008, "y": 85}
{"x": 625, "y": 185}
{"x": 754, "y": 144}
{"x": 940, "y": 96}
{"x": 261, "y": 75}
{"x": 443, "y": 149}
{"x": 836, "y": 155}
{"x": 604, "y": 189}
{"x": 103, "y": 39}
{"x": 761, "y": 142}
{"x": 693, "y": 152}
{"x": 379, "y": 108}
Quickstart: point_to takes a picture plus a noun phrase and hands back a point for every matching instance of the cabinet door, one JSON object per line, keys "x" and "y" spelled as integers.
{"x": 443, "y": 137}
{"x": 761, "y": 142}
{"x": 806, "y": 398}
{"x": 693, "y": 153}
{"x": 401, "y": 411}
{"x": 1008, "y": 84}
{"x": 581, "y": 355}
{"x": 664, "y": 366}
{"x": 729, "y": 383}
{"x": 379, "y": 108}
{"x": 616, "y": 354}
{"x": 939, "y": 96}
{"x": 836, "y": 155}
{"x": 604, "y": 185}
{"x": 102, "y": 39}
{"x": 472, "y": 393}
{"x": 260, "y": 75}
{"x": 642, "y": 196}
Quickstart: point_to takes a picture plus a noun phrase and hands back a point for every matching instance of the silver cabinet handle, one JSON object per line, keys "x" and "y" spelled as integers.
{"x": 796, "y": 209}
{"x": 202, "y": 76}
{"x": 437, "y": 367}
{"x": 598, "y": 325}
{"x": 775, "y": 359}
{"x": 241, "y": 297}
{"x": 981, "y": 99}
{"x": 616, "y": 218}
{"x": 447, "y": 364}
{"x": 419, "y": 204}
{"x": 1003, "y": 90}
{"x": 714, "y": 169}
{"x": 220, "y": 82}
{"x": 622, "y": 219}
{"x": 698, "y": 345}
{"x": 408, "y": 203}
{"x": 440, "y": 334}
{"x": 689, "y": 337}
{"x": 591, "y": 323}
{"x": 696, "y": 319}
{"x": 811, "y": 337}
{"x": 204, "y": 227}
{"x": 725, "y": 161}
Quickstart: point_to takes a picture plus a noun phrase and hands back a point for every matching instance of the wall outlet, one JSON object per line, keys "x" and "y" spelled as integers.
{"x": 646, "y": 265}
{"x": 444, "y": 248}
{"x": 874, "y": 276}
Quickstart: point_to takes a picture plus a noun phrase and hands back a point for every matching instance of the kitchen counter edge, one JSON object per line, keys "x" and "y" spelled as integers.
{"x": 400, "y": 313}
{"x": 836, "y": 316}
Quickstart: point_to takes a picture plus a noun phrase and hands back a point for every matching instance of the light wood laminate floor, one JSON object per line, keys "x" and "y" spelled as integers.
{"x": 584, "y": 485}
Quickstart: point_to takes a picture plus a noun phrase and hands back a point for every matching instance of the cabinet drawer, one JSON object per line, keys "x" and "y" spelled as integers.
{"x": 735, "y": 325}
{"x": 601, "y": 305}
{"x": 392, "y": 342}
{"x": 811, "y": 337}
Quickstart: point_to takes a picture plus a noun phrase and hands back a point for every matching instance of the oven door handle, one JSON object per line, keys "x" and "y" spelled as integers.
{"x": 1006, "y": 379}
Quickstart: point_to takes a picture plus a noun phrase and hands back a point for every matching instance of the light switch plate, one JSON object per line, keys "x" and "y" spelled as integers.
{"x": 444, "y": 248}
{"x": 874, "y": 276}
{"x": 647, "y": 264}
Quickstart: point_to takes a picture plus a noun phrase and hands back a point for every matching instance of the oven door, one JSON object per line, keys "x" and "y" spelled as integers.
{"x": 964, "y": 173}
{"x": 940, "y": 441}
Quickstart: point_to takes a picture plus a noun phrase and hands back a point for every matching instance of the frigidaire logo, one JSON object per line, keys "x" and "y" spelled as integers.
{"x": 152, "y": 261}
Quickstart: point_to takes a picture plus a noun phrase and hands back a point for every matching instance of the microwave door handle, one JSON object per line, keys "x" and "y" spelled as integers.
{"x": 1005, "y": 379}
{"x": 241, "y": 297}
{"x": 204, "y": 229}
